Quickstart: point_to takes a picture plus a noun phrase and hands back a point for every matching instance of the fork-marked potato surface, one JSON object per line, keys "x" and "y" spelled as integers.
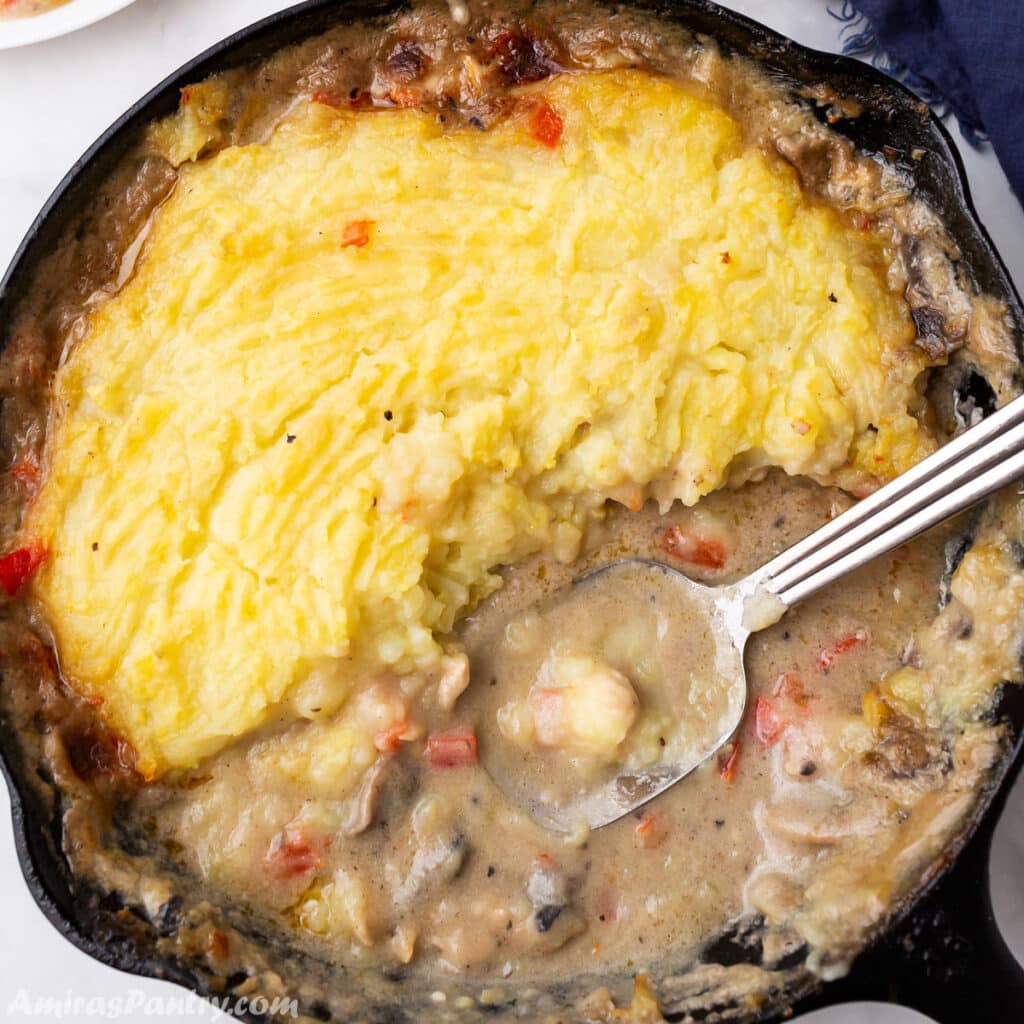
{"x": 361, "y": 365}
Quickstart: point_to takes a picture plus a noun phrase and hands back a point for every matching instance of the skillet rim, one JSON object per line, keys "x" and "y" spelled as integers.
{"x": 37, "y": 841}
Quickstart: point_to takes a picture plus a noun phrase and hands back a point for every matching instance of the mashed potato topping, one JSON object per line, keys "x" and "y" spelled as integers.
{"x": 361, "y": 365}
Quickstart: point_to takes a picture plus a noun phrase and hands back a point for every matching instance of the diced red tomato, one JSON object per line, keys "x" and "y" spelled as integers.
{"x": 727, "y": 768}
{"x": 827, "y": 655}
{"x": 356, "y": 233}
{"x": 291, "y": 853}
{"x": 454, "y": 748}
{"x": 651, "y": 831}
{"x": 767, "y": 724}
{"x": 545, "y": 124}
{"x": 694, "y": 547}
{"x": 17, "y": 566}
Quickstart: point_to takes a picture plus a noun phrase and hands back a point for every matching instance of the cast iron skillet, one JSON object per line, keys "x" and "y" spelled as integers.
{"x": 942, "y": 954}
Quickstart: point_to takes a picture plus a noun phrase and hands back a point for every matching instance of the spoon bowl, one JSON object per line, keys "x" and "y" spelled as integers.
{"x": 691, "y": 693}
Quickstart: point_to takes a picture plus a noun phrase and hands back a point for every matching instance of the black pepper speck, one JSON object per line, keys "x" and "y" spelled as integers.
{"x": 547, "y": 916}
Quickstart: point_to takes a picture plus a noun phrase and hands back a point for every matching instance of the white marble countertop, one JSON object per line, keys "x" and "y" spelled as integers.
{"x": 82, "y": 82}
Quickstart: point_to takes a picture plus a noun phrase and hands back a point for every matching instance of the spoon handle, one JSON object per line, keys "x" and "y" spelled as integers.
{"x": 981, "y": 460}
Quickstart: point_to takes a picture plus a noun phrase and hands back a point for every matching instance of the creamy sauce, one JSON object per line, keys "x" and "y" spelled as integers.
{"x": 453, "y": 876}
{"x": 604, "y": 691}
{"x": 861, "y": 755}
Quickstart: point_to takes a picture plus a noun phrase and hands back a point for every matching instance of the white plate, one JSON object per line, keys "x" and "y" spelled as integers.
{"x": 67, "y": 18}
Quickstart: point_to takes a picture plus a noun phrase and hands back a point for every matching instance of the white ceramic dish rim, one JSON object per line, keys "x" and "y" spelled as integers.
{"x": 67, "y": 18}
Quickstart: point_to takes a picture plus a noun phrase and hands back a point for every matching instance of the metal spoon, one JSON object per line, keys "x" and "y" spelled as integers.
{"x": 981, "y": 460}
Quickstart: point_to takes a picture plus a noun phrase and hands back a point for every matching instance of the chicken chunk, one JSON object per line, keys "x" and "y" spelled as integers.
{"x": 577, "y": 704}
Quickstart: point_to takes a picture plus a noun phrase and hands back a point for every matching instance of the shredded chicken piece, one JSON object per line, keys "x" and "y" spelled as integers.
{"x": 453, "y": 680}
{"x": 359, "y": 816}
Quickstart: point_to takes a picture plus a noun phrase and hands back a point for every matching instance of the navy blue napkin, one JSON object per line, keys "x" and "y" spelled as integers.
{"x": 964, "y": 54}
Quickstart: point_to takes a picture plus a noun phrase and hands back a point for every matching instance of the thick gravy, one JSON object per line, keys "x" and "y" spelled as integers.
{"x": 313, "y": 817}
{"x": 454, "y": 875}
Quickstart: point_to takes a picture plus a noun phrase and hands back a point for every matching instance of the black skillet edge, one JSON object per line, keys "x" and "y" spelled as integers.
{"x": 943, "y": 949}
{"x": 942, "y": 953}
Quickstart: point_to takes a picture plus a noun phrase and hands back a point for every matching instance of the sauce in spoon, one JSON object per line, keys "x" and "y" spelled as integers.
{"x": 591, "y": 715}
